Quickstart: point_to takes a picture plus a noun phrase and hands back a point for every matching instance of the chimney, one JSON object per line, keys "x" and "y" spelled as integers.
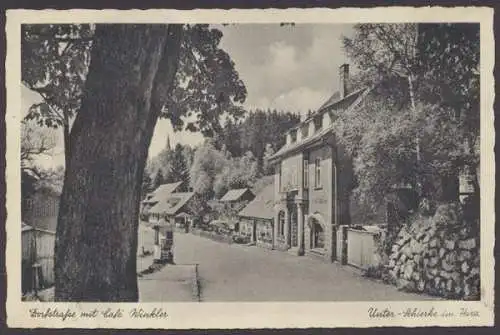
{"x": 343, "y": 80}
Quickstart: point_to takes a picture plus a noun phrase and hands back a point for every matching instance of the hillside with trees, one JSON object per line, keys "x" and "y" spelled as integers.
{"x": 260, "y": 132}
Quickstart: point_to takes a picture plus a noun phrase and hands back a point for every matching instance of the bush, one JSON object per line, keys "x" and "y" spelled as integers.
{"x": 374, "y": 271}
{"x": 240, "y": 239}
{"x": 449, "y": 215}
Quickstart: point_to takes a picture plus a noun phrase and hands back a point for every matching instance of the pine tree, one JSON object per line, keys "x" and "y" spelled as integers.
{"x": 178, "y": 168}
{"x": 159, "y": 179}
{"x": 267, "y": 168}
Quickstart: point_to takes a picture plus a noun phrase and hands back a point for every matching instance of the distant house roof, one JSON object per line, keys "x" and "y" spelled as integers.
{"x": 162, "y": 192}
{"x": 48, "y": 224}
{"x": 262, "y": 206}
{"x": 352, "y": 100}
{"x": 30, "y": 173}
{"x": 25, "y": 227}
{"x": 172, "y": 204}
{"x": 234, "y": 195}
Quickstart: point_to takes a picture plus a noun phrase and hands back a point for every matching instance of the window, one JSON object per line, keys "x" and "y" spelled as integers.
{"x": 318, "y": 122}
{"x": 293, "y": 135}
{"x": 304, "y": 131}
{"x": 281, "y": 223}
{"x": 157, "y": 236}
{"x": 333, "y": 116}
{"x": 317, "y": 173}
{"x": 306, "y": 173}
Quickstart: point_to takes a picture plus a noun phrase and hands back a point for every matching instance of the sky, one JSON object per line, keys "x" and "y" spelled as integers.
{"x": 292, "y": 68}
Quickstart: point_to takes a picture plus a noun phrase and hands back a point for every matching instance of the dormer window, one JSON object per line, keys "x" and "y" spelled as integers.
{"x": 293, "y": 135}
{"x": 304, "y": 131}
{"x": 318, "y": 122}
{"x": 333, "y": 116}
{"x": 326, "y": 120}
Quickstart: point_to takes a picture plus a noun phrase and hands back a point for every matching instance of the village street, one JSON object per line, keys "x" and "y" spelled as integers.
{"x": 242, "y": 273}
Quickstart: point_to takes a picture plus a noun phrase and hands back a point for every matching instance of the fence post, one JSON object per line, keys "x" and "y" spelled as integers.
{"x": 342, "y": 240}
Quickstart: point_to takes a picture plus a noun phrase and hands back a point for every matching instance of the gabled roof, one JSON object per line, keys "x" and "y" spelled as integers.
{"x": 172, "y": 204}
{"x": 47, "y": 224}
{"x": 262, "y": 206}
{"x": 332, "y": 100}
{"x": 162, "y": 192}
{"x": 336, "y": 100}
{"x": 234, "y": 195}
{"x": 352, "y": 100}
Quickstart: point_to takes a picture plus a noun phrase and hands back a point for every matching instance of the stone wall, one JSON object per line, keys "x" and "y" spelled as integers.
{"x": 436, "y": 259}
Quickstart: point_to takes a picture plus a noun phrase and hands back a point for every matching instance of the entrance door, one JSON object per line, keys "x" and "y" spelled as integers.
{"x": 317, "y": 235}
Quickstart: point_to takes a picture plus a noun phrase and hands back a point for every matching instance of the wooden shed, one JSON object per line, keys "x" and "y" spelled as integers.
{"x": 37, "y": 258}
{"x": 38, "y": 232}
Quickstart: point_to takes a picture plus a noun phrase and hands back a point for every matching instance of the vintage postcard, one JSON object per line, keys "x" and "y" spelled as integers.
{"x": 250, "y": 168}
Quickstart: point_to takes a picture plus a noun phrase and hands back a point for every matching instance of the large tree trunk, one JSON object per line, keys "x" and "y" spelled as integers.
{"x": 131, "y": 71}
{"x": 66, "y": 134}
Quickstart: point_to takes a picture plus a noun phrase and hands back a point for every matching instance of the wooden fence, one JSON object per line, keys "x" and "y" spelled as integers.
{"x": 361, "y": 248}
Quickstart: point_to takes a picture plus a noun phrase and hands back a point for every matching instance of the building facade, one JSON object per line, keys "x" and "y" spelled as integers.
{"x": 257, "y": 218}
{"x": 313, "y": 180}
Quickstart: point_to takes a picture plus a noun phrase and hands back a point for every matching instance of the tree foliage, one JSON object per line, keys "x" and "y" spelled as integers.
{"x": 267, "y": 168}
{"x": 159, "y": 179}
{"x": 178, "y": 170}
{"x": 35, "y": 142}
{"x": 214, "y": 172}
{"x": 208, "y": 162}
{"x": 424, "y": 87}
{"x": 449, "y": 58}
{"x": 55, "y": 61}
{"x": 174, "y": 164}
{"x": 238, "y": 172}
{"x": 205, "y": 71}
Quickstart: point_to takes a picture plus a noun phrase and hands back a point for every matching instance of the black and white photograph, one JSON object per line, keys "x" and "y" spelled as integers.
{"x": 288, "y": 161}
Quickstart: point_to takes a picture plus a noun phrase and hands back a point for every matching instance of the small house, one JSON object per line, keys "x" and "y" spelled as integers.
{"x": 257, "y": 218}
{"x": 174, "y": 208}
{"x": 162, "y": 192}
{"x": 37, "y": 257}
{"x": 237, "y": 198}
